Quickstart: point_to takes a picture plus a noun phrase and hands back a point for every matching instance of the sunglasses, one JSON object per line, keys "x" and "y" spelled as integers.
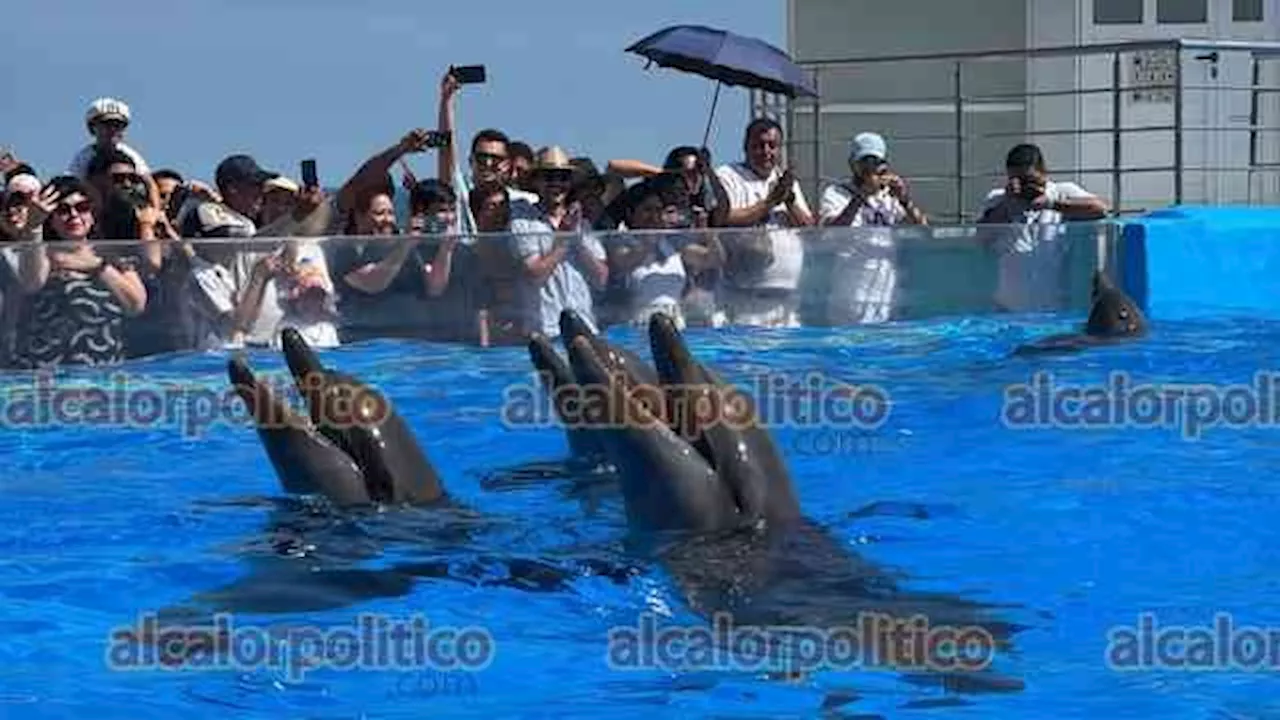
{"x": 488, "y": 158}
{"x": 126, "y": 179}
{"x": 113, "y": 124}
{"x": 557, "y": 176}
{"x": 84, "y": 207}
{"x": 16, "y": 199}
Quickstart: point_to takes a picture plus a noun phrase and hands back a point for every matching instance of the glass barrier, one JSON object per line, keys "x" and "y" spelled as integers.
{"x": 115, "y": 300}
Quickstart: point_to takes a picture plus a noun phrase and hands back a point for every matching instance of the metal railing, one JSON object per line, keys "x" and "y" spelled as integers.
{"x": 958, "y": 168}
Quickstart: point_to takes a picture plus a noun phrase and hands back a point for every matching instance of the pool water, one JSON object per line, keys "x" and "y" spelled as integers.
{"x": 1084, "y": 529}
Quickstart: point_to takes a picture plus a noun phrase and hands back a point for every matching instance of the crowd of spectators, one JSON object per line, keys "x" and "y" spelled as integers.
{"x": 113, "y": 259}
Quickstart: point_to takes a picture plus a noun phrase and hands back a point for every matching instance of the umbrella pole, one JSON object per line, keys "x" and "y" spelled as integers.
{"x": 714, "y": 100}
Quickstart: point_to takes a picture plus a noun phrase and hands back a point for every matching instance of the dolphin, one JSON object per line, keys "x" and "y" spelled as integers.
{"x": 742, "y": 452}
{"x": 1113, "y": 313}
{"x": 587, "y": 465}
{"x": 724, "y": 521}
{"x": 1113, "y": 317}
{"x": 305, "y": 460}
{"x": 572, "y": 326}
{"x": 364, "y": 424}
{"x": 560, "y": 384}
{"x": 666, "y": 484}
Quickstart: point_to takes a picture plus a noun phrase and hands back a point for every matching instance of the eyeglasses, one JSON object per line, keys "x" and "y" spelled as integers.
{"x": 84, "y": 207}
{"x": 126, "y": 179}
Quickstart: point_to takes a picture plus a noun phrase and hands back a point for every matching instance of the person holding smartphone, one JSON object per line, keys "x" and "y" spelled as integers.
{"x": 489, "y": 161}
{"x": 874, "y": 198}
{"x": 1033, "y": 207}
{"x": 235, "y": 286}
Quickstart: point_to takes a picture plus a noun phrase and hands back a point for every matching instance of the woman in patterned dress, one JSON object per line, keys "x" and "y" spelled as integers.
{"x": 77, "y": 300}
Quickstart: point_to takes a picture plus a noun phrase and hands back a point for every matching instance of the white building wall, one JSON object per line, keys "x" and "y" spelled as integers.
{"x": 1216, "y": 163}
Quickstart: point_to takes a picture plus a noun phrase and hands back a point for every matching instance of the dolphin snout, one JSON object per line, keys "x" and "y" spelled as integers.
{"x": 671, "y": 356}
{"x": 242, "y": 379}
{"x": 298, "y": 355}
{"x": 587, "y": 365}
{"x": 572, "y": 325}
{"x": 546, "y": 360}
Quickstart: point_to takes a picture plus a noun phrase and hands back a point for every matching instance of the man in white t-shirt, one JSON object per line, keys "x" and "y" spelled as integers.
{"x": 1031, "y": 254}
{"x": 864, "y": 279}
{"x": 107, "y": 119}
{"x": 762, "y": 272}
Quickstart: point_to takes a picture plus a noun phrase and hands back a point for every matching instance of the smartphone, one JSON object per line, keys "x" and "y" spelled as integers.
{"x": 437, "y": 139}
{"x": 469, "y": 74}
{"x": 309, "y": 177}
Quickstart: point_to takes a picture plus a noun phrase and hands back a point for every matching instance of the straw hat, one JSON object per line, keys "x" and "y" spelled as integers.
{"x": 552, "y": 158}
{"x": 281, "y": 183}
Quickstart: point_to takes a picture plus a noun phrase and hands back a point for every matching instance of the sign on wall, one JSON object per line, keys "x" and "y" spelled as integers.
{"x": 1153, "y": 67}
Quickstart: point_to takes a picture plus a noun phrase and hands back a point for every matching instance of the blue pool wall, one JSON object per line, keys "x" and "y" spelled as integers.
{"x": 1194, "y": 261}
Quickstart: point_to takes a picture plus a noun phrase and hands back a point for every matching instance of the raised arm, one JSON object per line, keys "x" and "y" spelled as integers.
{"x": 375, "y": 169}
{"x": 633, "y": 168}
{"x": 444, "y": 123}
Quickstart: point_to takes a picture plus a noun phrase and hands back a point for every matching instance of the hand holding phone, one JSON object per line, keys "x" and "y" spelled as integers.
{"x": 438, "y": 139}
{"x": 309, "y": 177}
{"x": 469, "y": 74}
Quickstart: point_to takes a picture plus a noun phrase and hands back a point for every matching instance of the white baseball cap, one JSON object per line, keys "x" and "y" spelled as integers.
{"x": 107, "y": 109}
{"x": 23, "y": 183}
{"x": 868, "y": 144}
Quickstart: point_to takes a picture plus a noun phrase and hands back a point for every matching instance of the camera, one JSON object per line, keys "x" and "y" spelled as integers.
{"x": 1030, "y": 187}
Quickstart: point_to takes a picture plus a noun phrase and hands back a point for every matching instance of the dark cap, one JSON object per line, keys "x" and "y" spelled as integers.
{"x": 241, "y": 169}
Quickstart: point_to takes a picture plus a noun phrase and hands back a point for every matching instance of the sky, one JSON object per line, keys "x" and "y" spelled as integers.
{"x": 339, "y": 81}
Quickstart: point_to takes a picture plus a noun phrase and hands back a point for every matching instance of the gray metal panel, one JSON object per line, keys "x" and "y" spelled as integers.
{"x": 843, "y": 28}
